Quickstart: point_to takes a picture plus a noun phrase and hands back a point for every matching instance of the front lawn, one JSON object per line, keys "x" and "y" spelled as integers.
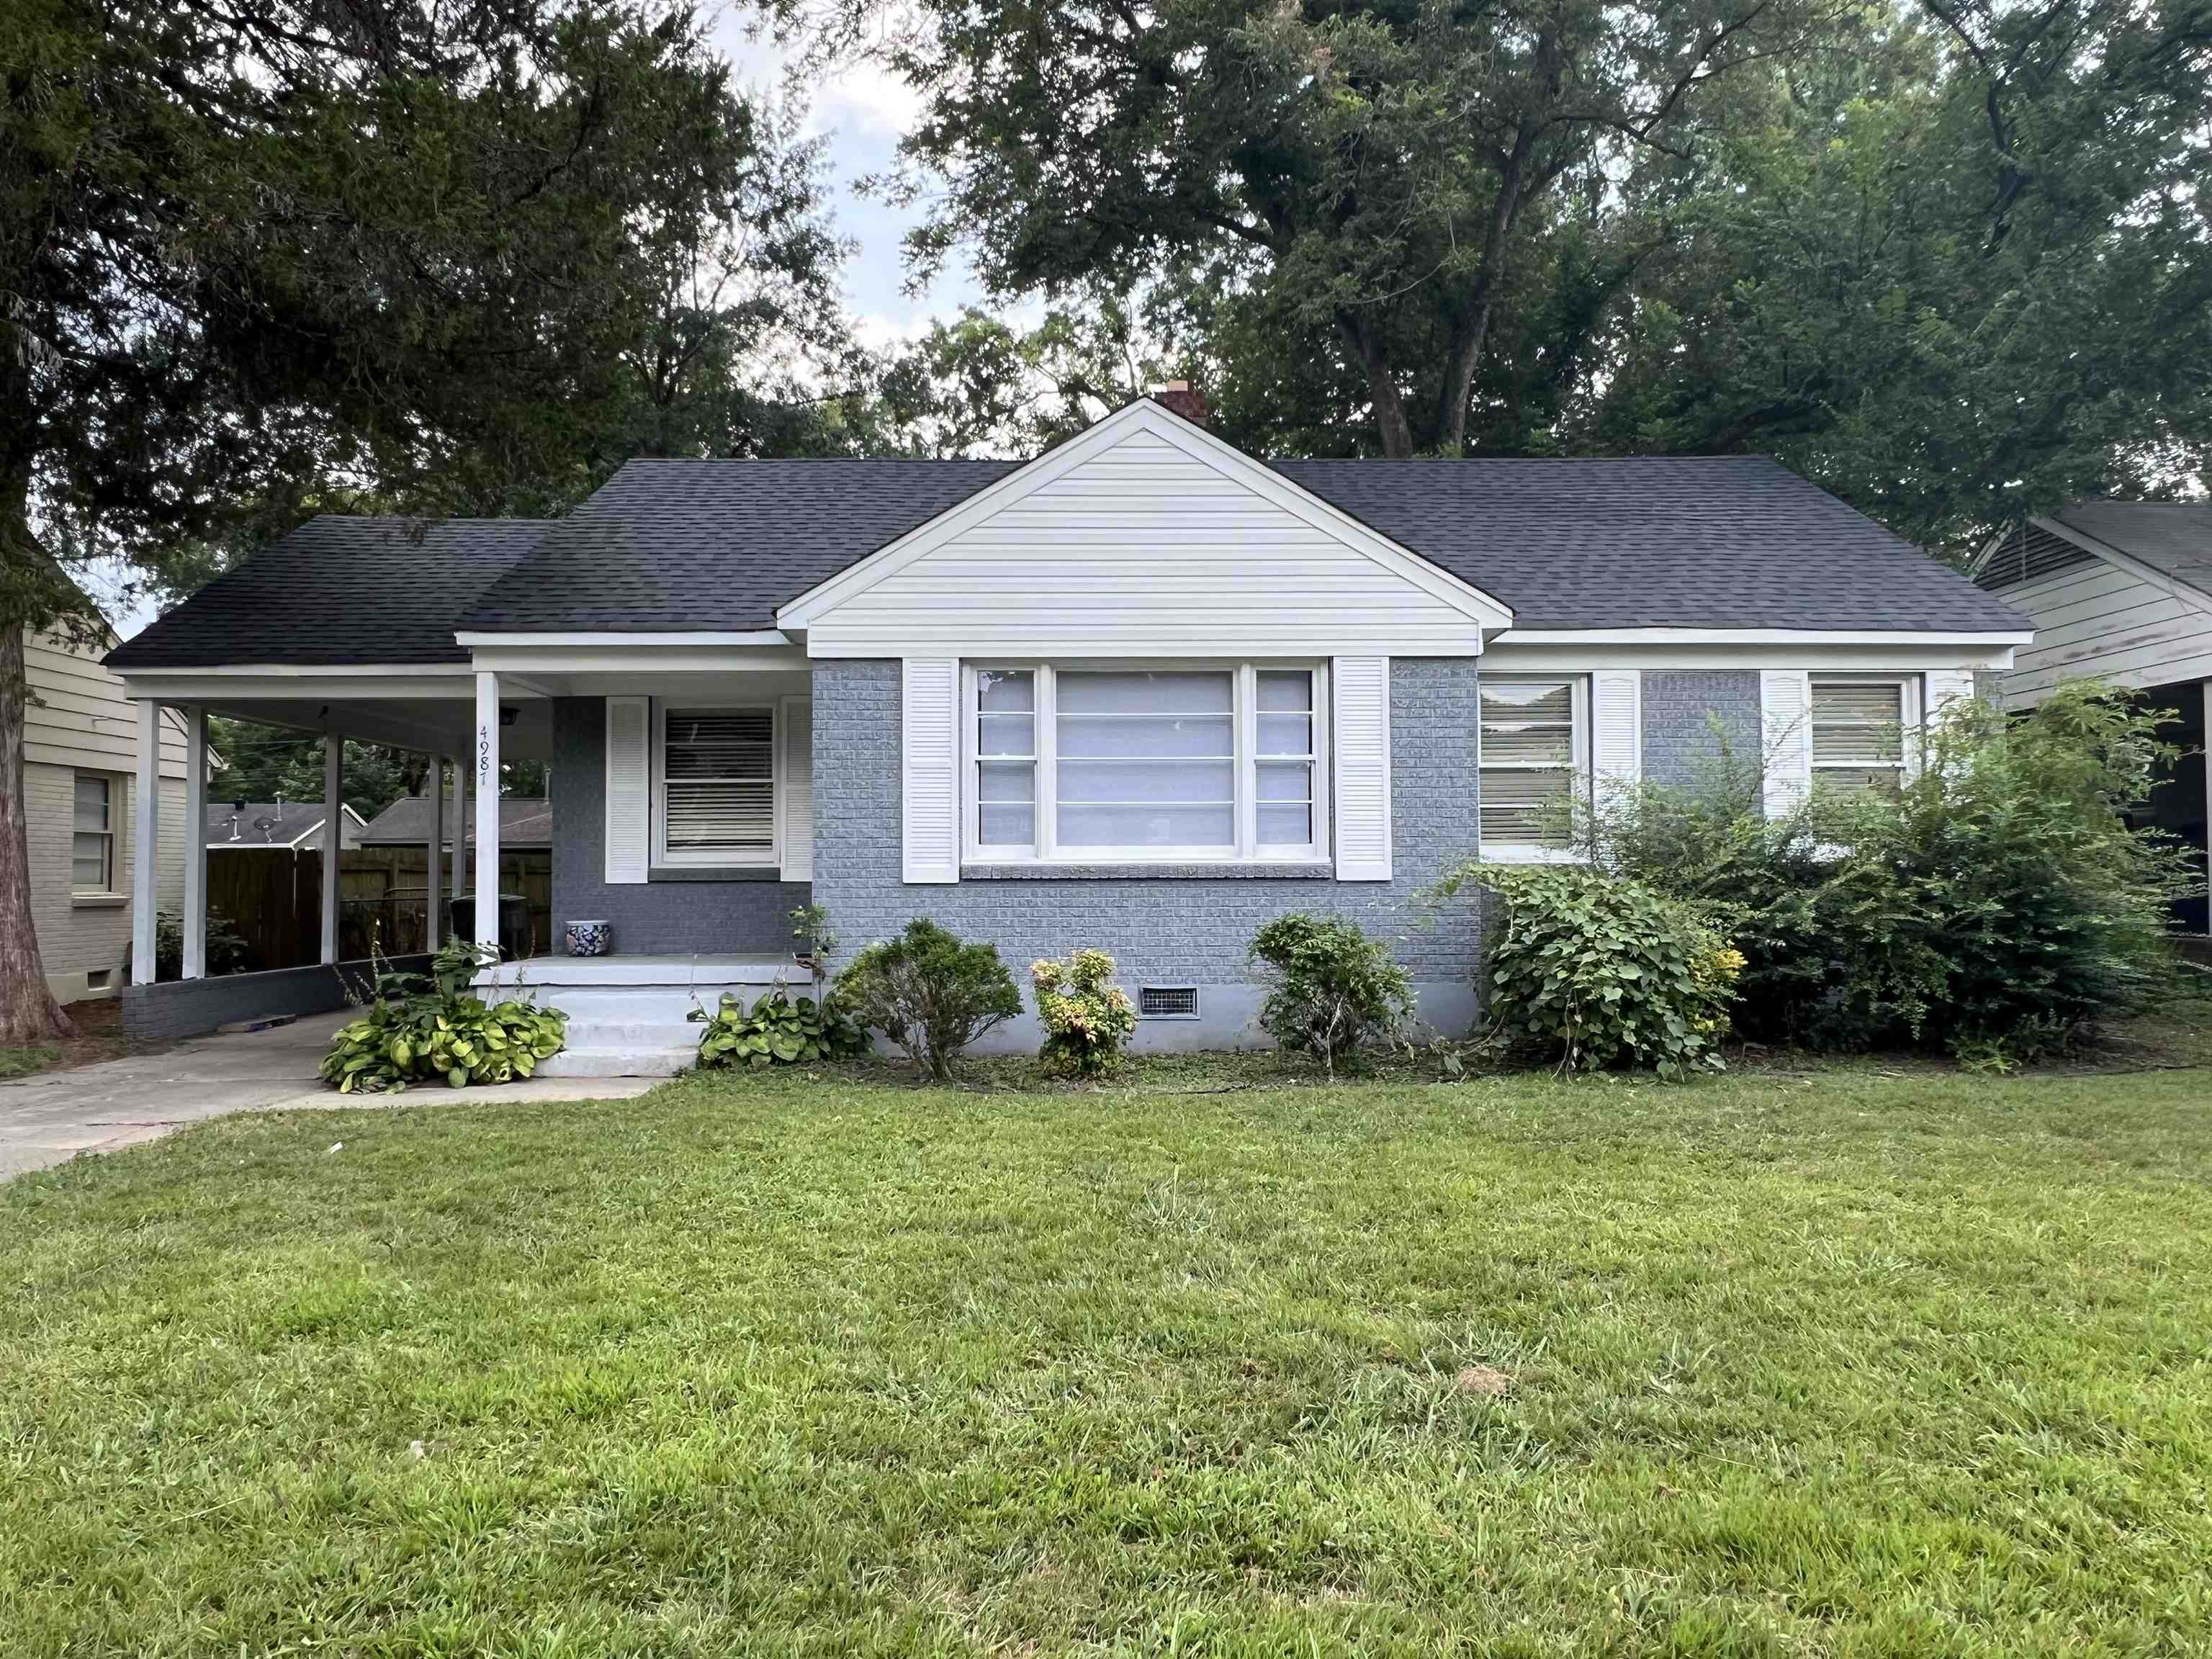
{"x": 1837, "y": 1363}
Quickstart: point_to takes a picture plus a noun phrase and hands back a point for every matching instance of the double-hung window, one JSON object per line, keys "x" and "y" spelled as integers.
{"x": 1088, "y": 764}
{"x": 1534, "y": 761}
{"x": 92, "y": 840}
{"x": 714, "y": 785}
{"x": 1859, "y": 724}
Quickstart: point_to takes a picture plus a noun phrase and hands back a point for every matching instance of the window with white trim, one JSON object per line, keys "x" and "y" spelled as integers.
{"x": 1187, "y": 762}
{"x": 1858, "y": 725}
{"x": 714, "y": 775}
{"x": 1533, "y": 756}
{"x": 92, "y": 839}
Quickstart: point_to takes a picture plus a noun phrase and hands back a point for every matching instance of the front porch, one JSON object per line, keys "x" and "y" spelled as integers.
{"x": 629, "y": 1016}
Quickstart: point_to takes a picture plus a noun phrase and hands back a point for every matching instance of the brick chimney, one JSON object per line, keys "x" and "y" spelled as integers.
{"x": 1185, "y": 399}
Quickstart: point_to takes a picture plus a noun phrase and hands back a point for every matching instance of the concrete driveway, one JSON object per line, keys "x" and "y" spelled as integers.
{"x": 50, "y": 1118}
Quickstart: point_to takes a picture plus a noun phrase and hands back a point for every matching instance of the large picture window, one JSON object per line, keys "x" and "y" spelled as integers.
{"x": 1535, "y": 755}
{"x": 1084, "y": 764}
{"x": 714, "y": 785}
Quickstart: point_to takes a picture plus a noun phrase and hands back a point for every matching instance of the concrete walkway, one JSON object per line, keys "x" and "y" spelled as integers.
{"x": 52, "y": 1117}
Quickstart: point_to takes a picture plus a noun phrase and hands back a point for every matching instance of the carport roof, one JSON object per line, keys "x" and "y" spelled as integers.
{"x": 340, "y": 591}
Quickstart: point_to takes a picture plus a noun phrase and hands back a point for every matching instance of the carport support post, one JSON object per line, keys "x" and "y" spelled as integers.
{"x": 146, "y": 814}
{"x": 2207, "y": 689}
{"x": 487, "y": 904}
{"x": 196, "y": 906}
{"x": 333, "y": 839}
{"x": 457, "y": 874}
{"x": 433, "y": 867}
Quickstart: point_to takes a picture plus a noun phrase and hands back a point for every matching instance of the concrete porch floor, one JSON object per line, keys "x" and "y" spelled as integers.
{"x": 52, "y": 1117}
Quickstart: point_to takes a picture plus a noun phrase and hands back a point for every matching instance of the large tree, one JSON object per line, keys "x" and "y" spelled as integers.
{"x": 255, "y": 251}
{"x": 1960, "y": 271}
{"x": 1374, "y": 173}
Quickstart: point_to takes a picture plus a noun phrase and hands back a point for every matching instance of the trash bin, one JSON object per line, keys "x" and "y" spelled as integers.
{"x": 513, "y": 923}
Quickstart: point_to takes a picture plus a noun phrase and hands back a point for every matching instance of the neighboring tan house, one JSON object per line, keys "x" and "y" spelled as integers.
{"x": 1144, "y": 693}
{"x": 80, "y": 756}
{"x": 2121, "y": 591}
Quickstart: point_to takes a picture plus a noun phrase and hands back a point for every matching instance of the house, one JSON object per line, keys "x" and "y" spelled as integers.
{"x": 2121, "y": 591}
{"x": 280, "y": 825}
{"x": 80, "y": 765}
{"x": 1143, "y": 693}
{"x": 525, "y": 824}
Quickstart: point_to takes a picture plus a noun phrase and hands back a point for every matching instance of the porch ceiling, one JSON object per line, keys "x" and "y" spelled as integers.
{"x": 429, "y": 714}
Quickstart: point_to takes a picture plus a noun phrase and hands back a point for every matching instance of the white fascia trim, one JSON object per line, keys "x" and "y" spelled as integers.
{"x": 1749, "y": 636}
{"x": 1146, "y": 414}
{"x": 754, "y": 636}
{"x": 2164, "y": 580}
{"x": 282, "y": 671}
{"x": 245, "y": 684}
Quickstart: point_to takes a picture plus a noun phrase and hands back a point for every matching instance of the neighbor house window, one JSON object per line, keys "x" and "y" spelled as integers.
{"x": 1186, "y": 762}
{"x": 1858, "y": 732}
{"x": 92, "y": 844}
{"x": 1534, "y": 753}
{"x": 714, "y": 785}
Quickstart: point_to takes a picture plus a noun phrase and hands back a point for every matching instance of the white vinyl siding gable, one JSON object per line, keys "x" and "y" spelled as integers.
{"x": 1148, "y": 550}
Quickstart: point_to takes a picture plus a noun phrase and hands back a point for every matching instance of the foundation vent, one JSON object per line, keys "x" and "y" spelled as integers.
{"x": 1166, "y": 1002}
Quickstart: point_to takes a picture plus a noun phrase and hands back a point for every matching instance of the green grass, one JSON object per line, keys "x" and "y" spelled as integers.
{"x": 1846, "y": 1364}
{"x": 22, "y": 1062}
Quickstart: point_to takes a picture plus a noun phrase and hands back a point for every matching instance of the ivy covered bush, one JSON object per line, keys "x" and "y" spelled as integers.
{"x": 1596, "y": 970}
{"x": 929, "y": 991}
{"x": 778, "y": 1030}
{"x": 1331, "y": 989}
{"x": 1997, "y": 906}
{"x": 1088, "y": 1019}
{"x": 438, "y": 1030}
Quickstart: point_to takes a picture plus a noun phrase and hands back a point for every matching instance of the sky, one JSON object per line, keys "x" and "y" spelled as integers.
{"x": 860, "y": 114}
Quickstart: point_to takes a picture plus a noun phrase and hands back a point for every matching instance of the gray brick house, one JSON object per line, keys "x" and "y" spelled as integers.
{"x": 1144, "y": 692}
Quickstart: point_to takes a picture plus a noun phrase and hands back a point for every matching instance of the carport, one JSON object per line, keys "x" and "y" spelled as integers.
{"x": 307, "y": 634}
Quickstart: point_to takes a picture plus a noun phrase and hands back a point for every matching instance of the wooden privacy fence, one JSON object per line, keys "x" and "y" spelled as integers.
{"x": 273, "y": 897}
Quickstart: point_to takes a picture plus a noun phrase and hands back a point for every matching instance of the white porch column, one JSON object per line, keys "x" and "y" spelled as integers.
{"x": 196, "y": 842}
{"x": 434, "y": 868}
{"x": 457, "y": 879}
{"x": 2208, "y": 794}
{"x": 333, "y": 839}
{"x": 146, "y": 813}
{"x": 487, "y": 893}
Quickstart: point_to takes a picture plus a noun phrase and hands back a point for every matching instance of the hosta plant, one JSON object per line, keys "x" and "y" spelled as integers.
{"x": 438, "y": 1030}
{"x": 780, "y": 1030}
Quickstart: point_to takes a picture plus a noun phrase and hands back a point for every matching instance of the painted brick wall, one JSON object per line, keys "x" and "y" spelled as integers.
{"x": 1164, "y": 929}
{"x": 77, "y": 939}
{"x": 1679, "y": 709}
{"x": 671, "y": 918}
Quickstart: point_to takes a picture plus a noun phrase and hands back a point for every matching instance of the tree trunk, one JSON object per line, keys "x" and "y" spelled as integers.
{"x": 1465, "y": 357}
{"x": 1390, "y": 424}
{"x": 28, "y": 1013}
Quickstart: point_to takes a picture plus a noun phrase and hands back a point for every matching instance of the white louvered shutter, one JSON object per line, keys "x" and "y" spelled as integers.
{"x": 797, "y": 839}
{"x": 929, "y": 773}
{"x": 630, "y": 789}
{"x": 1360, "y": 700}
{"x": 1946, "y": 686}
{"x": 1785, "y": 704}
{"x": 1616, "y": 731}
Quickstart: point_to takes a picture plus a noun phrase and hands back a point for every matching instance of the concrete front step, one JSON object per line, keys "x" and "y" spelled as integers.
{"x": 616, "y": 1062}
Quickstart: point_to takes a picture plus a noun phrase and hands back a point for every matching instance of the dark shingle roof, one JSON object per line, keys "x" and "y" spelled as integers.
{"x": 273, "y": 823}
{"x": 1735, "y": 541}
{"x": 338, "y": 590}
{"x": 2174, "y": 537}
{"x": 673, "y": 546}
{"x": 523, "y": 820}
{"x": 1672, "y": 542}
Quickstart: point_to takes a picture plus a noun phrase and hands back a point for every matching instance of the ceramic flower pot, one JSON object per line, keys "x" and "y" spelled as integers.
{"x": 589, "y": 938}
